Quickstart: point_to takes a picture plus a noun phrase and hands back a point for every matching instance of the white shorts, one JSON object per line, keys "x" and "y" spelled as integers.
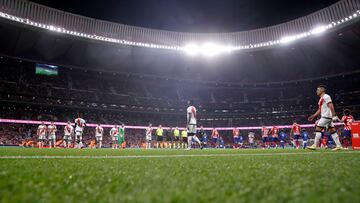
{"x": 325, "y": 123}
{"x": 98, "y": 138}
{"x": 67, "y": 137}
{"x": 78, "y": 132}
{"x": 42, "y": 137}
{"x": 115, "y": 138}
{"x": 78, "y": 135}
{"x": 191, "y": 128}
{"x": 148, "y": 138}
{"x": 79, "y": 129}
{"x": 52, "y": 137}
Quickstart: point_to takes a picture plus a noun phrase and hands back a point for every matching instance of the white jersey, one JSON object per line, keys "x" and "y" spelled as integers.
{"x": 251, "y": 137}
{"x": 191, "y": 111}
{"x": 99, "y": 131}
{"x": 148, "y": 133}
{"x": 323, "y": 105}
{"x": 113, "y": 132}
{"x": 68, "y": 129}
{"x": 80, "y": 124}
{"x": 51, "y": 129}
{"x": 42, "y": 130}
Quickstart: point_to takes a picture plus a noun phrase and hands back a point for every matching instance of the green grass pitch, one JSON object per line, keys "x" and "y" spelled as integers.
{"x": 58, "y": 175}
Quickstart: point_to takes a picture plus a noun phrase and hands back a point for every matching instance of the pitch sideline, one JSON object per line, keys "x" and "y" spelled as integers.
{"x": 173, "y": 156}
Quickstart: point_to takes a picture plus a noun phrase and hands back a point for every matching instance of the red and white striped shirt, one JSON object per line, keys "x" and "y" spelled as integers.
{"x": 215, "y": 134}
{"x": 264, "y": 132}
{"x": 236, "y": 132}
{"x": 296, "y": 129}
{"x": 275, "y": 131}
{"x": 347, "y": 122}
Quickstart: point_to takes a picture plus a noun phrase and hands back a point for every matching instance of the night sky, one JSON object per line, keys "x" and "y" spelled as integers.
{"x": 192, "y": 15}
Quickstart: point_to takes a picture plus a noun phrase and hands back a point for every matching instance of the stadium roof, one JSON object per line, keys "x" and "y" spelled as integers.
{"x": 193, "y": 15}
{"x": 331, "y": 18}
{"x": 325, "y": 53}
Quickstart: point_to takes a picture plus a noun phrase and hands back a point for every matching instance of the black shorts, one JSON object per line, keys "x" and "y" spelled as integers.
{"x": 184, "y": 139}
{"x": 169, "y": 138}
{"x": 176, "y": 138}
{"x": 159, "y": 138}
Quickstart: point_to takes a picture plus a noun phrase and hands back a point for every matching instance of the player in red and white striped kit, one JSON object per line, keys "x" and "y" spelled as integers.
{"x": 41, "y": 133}
{"x": 68, "y": 133}
{"x": 347, "y": 119}
{"x": 275, "y": 136}
{"x": 295, "y": 133}
{"x": 214, "y": 137}
{"x": 236, "y": 134}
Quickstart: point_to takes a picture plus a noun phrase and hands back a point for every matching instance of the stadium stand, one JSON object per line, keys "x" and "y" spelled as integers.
{"x": 139, "y": 100}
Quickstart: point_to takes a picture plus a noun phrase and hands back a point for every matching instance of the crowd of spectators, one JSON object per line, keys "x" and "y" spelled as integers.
{"x": 114, "y": 98}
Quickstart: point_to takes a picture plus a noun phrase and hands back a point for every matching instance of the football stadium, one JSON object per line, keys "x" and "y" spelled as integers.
{"x": 179, "y": 101}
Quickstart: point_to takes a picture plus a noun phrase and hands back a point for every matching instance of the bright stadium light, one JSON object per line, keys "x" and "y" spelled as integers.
{"x": 208, "y": 49}
{"x": 287, "y": 39}
{"x": 229, "y": 49}
{"x": 319, "y": 29}
{"x": 211, "y": 49}
{"x": 192, "y": 49}
{"x": 51, "y": 27}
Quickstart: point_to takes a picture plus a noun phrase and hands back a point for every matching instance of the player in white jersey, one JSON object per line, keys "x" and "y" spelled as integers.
{"x": 114, "y": 137}
{"x": 148, "y": 133}
{"x": 327, "y": 112}
{"x": 191, "y": 125}
{"x": 51, "y": 134}
{"x": 41, "y": 133}
{"x": 68, "y": 133}
{"x": 251, "y": 136}
{"x": 99, "y": 131}
{"x": 79, "y": 129}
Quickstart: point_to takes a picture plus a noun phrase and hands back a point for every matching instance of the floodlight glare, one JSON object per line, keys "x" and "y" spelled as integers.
{"x": 287, "y": 39}
{"x": 319, "y": 29}
{"x": 192, "y": 49}
{"x": 229, "y": 49}
{"x": 211, "y": 49}
{"x": 52, "y": 28}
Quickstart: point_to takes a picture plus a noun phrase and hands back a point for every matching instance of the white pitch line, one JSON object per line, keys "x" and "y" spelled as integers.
{"x": 171, "y": 156}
